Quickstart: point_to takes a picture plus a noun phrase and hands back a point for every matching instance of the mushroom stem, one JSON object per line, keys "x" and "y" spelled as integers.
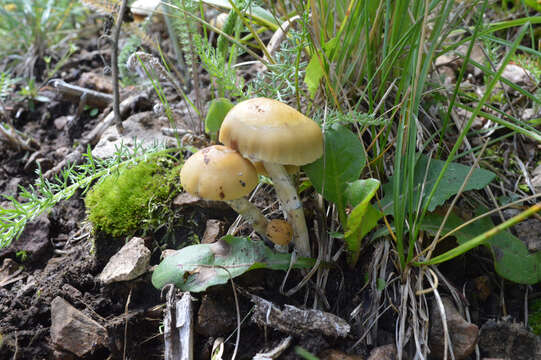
{"x": 291, "y": 204}
{"x": 251, "y": 213}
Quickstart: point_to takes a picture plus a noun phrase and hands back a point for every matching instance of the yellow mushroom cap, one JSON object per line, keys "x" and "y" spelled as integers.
{"x": 268, "y": 130}
{"x": 279, "y": 232}
{"x": 219, "y": 20}
{"x": 218, "y": 173}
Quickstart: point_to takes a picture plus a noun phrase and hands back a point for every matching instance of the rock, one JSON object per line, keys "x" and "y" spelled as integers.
{"x": 213, "y": 230}
{"x": 10, "y": 272}
{"x": 464, "y": 115}
{"x": 508, "y": 340}
{"x": 385, "y": 352}
{"x": 129, "y": 262}
{"x": 142, "y": 126}
{"x": 73, "y": 331}
{"x": 448, "y": 75}
{"x": 332, "y": 354}
{"x": 463, "y": 334}
{"x": 529, "y": 231}
{"x": 536, "y": 178}
{"x": 96, "y": 82}
{"x": 33, "y": 242}
{"x": 518, "y": 75}
{"x": 215, "y": 318}
{"x": 60, "y": 122}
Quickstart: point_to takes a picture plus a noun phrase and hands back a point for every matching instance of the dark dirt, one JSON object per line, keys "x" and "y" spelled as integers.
{"x": 62, "y": 262}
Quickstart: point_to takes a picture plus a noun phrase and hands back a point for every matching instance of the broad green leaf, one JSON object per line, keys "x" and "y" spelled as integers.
{"x": 218, "y": 109}
{"x": 354, "y": 239}
{"x": 197, "y": 267}
{"x": 358, "y": 194}
{"x": 512, "y": 260}
{"x": 449, "y": 185}
{"x": 341, "y": 163}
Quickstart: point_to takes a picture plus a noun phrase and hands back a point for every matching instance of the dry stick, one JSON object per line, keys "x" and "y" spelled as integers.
{"x": 126, "y": 323}
{"x": 114, "y": 67}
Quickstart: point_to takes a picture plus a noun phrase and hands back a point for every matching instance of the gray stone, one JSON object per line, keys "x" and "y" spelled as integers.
{"x": 536, "y": 178}
{"x": 141, "y": 126}
{"x": 508, "y": 340}
{"x": 213, "y": 230}
{"x": 518, "y": 75}
{"x": 74, "y": 332}
{"x": 385, "y": 352}
{"x": 463, "y": 334}
{"x": 128, "y": 263}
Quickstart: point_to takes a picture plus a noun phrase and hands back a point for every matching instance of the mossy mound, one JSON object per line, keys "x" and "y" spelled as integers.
{"x": 127, "y": 202}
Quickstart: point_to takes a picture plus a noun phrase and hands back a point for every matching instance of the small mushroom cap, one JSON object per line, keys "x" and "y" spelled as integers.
{"x": 219, "y": 20}
{"x": 279, "y": 232}
{"x": 143, "y": 8}
{"x": 260, "y": 168}
{"x": 268, "y": 130}
{"x": 218, "y": 173}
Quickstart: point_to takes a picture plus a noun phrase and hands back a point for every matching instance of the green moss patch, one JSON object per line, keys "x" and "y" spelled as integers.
{"x": 125, "y": 202}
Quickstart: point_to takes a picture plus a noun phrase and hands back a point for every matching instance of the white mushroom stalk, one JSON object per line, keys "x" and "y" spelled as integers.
{"x": 287, "y": 194}
{"x": 251, "y": 214}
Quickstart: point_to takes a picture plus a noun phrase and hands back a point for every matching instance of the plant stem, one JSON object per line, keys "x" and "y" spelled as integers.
{"x": 114, "y": 67}
{"x": 292, "y": 205}
{"x": 251, "y": 213}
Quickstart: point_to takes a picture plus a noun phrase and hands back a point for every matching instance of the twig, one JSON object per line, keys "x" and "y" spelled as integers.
{"x": 114, "y": 66}
{"x": 17, "y": 140}
{"x": 72, "y": 92}
{"x": 126, "y": 324}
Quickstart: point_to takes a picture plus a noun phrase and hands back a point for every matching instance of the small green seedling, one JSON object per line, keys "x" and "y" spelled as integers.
{"x": 218, "y": 109}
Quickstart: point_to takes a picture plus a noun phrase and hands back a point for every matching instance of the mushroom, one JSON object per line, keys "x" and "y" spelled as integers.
{"x": 260, "y": 168}
{"x": 143, "y": 8}
{"x": 280, "y": 233}
{"x": 267, "y": 130}
{"x": 220, "y": 173}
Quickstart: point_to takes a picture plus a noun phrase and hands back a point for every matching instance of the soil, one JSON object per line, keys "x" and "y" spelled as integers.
{"x": 62, "y": 261}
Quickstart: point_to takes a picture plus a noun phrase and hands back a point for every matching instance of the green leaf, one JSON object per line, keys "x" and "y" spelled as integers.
{"x": 449, "y": 185}
{"x": 257, "y": 13}
{"x": 313, "y": 75}
{"x": 512, "y": 260}
{"x": 341, "y": 163}
{"x": 218, "y": 109}
{"x": 315, "y": 68}
{"x": 534, "y": 4}
{"x": 358, "y": 194}
{"x": 369, "y": 221}
{"x": 197, "y": 267}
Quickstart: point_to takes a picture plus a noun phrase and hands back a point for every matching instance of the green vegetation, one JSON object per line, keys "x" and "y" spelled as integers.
{"x": 534, "y": 316}
{"x": 420, "y": 120}
{"x": 124, "y": 203}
